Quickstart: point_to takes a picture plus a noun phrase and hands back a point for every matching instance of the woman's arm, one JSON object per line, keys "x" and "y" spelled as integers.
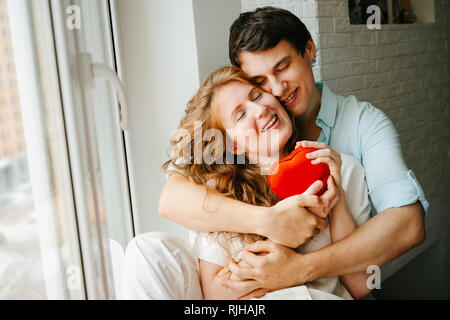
{"x": 198, "y": 208}
{"x": 211, "y": 277}
{"x": 341, "y": 225}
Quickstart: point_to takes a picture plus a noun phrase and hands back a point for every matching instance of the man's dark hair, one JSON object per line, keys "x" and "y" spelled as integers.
{"x": 263, "y": 29}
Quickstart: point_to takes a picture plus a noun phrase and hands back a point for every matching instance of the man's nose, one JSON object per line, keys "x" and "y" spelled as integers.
{"x": 277, "y": 86}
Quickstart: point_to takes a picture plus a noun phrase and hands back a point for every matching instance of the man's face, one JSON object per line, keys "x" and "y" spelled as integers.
{"x": 283, "y": 72}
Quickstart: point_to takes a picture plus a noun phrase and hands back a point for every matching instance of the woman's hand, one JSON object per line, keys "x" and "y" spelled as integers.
{"x": 332, "y": 158}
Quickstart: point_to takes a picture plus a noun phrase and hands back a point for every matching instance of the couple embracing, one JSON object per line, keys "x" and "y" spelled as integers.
{"x": 245, "y": 242}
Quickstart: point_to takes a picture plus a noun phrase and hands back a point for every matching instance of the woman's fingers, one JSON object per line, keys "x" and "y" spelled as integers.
{"x": 324, "y": 153}
{"x": 311, "y": 201}
{"x": 333, "y": 194}
{"x": 314, "y": 188}
{"x": 335, "y": 168}
{"x": 324, "y": 149}
{"x": 313, "y": 144}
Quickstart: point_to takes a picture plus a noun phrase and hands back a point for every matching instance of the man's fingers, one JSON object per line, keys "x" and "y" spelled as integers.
{"x": 258, "y": 293}
{"x": 241, "y": 284}
{"x": 259, "y": 246}
{"x": 224, "y": 270}
{"x": 321, "y": 223}
{"x": 239, "y": 271}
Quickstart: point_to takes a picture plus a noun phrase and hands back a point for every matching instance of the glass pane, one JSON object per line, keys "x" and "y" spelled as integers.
{"x": 39, "y": 250}
{"x": 95, "y": 141}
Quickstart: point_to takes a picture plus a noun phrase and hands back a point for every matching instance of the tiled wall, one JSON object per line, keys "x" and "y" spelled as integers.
{"x": 405, "y": 71}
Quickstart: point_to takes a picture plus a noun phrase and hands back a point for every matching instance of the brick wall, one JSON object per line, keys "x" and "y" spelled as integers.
{"x": 405, "y": 71}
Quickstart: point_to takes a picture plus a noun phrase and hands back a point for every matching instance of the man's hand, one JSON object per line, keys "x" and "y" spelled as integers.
{"x": 266, "y": 266}
{"x": 289, "y": 222}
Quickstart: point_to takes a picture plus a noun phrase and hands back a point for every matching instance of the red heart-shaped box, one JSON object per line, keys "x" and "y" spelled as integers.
{"x": 296, "y": 174}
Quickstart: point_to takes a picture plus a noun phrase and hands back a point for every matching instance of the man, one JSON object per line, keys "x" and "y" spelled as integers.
{"x": 275, "y": 50}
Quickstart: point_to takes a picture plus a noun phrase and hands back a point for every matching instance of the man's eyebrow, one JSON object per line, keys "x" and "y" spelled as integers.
{"x": 283, "y": 59}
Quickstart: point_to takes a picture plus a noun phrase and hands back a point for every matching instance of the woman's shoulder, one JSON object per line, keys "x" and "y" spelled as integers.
{"x": 352, "y": 172}
{"x": 355, "y": 187}
{"x": 350, "y": 163}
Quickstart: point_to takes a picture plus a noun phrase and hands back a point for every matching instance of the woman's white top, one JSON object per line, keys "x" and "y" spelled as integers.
{"x": 206, "y": 248}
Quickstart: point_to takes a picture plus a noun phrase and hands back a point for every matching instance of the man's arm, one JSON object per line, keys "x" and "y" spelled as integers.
{"x": 378, "y": 241}
{"x": 202, "y": 209}
{"x": 381, "y": 239}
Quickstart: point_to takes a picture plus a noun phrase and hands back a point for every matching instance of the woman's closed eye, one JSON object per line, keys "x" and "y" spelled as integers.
{"x": 255, "y": 95}
{"x": 240, "y": 115}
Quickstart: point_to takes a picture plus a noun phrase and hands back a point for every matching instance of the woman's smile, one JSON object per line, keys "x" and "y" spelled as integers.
{"x": 273, "y": 123}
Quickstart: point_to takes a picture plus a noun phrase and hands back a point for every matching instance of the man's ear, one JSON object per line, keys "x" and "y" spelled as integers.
{"x": 310, "y": 50}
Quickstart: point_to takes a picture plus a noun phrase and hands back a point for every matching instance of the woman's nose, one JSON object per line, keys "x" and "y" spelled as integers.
{"x": 259, "y": 110}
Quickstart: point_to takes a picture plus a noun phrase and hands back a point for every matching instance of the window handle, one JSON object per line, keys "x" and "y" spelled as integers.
{"x": 89, "y": 71}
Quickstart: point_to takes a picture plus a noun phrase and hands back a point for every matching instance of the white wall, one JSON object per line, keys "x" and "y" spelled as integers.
{"x": 213, "y": 19}
{"x": 165, "y": 56}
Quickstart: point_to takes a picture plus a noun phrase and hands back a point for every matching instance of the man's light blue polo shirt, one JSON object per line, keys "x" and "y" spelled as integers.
{"x": 365, "y": 132}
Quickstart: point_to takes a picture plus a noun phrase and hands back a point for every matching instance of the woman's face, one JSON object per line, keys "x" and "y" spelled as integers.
{"x": 255, "y": 120}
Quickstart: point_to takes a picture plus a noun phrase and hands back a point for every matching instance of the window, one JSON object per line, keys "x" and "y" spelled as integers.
{"x": 63, "y": 177}
{"x": 36, "y": 245}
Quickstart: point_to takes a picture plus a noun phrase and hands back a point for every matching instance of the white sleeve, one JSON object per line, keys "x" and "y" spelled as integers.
{"x": 204, "y": 247}
{"x": 355, "y": 187}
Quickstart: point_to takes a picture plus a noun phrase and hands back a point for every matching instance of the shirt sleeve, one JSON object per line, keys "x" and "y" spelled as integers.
{"x": 204, "y": 247}
{"x": 390, "y": 182}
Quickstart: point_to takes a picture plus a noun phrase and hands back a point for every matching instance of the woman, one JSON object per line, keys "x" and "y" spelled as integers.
{"x": 228, "y": 107}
